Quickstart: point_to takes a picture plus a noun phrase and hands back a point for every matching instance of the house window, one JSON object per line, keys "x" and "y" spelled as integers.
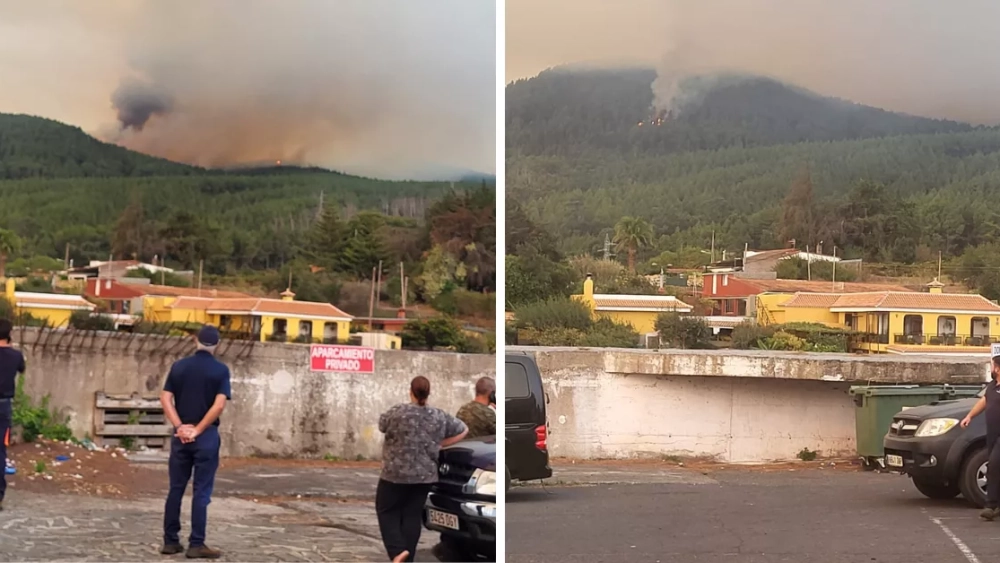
{"x": 946, "y": 326}
{"x": 280, "y": 332}
{"x": 980, "y": 327}
{"x": 225, "y": 321}
{"x": 913, "y": 325}
{"x": 305, "y": 331}
{"x": 330, "y": 333}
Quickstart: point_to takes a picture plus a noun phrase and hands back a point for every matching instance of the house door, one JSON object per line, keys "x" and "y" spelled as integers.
{"x": 980, "y": 327}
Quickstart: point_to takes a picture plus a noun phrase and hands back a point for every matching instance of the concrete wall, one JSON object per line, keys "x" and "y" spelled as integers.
{"x": 279, "y": 406}
{"x": 732, "y": 406}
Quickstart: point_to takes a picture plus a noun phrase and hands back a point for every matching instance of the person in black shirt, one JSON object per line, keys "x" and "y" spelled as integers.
{"x": 193, "y": 398}
{"x": 11, "y": 364}
{"x": 990, "y": 402}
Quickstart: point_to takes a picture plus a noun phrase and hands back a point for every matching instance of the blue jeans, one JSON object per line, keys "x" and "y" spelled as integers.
{"x": 202, "y": 458}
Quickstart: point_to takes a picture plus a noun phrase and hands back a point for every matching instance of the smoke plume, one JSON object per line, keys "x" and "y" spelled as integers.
{"x": 923, "y": 57}
{"x": 385, "y": 88}
{"x": 136, "y": 102}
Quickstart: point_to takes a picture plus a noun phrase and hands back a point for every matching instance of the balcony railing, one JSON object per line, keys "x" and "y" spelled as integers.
{"x": 927, "y": 339}
{"x": 943, "y": 340}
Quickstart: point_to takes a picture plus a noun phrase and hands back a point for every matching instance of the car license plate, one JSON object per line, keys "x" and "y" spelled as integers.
{"x": 894, "y": 460}
{"x": 442, "y": 519}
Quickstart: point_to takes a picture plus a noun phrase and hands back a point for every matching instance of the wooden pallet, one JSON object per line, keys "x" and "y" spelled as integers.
{"x": 121, "y": 420}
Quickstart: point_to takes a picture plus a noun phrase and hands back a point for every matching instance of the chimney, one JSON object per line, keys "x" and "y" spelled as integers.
{"x": 97, "y": 287}
{"x": 588, "y": 287}
{"x": 401, "y": 313}
{"x": 935, "y": 287}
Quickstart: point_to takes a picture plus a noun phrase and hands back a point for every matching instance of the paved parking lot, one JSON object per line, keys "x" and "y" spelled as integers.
{"x": 744, "y": 516}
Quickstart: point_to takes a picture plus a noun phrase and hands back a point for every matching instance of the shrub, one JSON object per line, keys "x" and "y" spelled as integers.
{"x": 84, "y": 320}
{"x": 608, "y": 334}
{"x": 682, "y": 331}
{"x": 784, "y": 341}
{"x": 40, "y": 420}
{"x": 440, "y": 332}
{"x": 557, "y": 312}
{"x": 475, "y": 304}
{"x": 36, "y": 285}
{"x": 749, "y": 335}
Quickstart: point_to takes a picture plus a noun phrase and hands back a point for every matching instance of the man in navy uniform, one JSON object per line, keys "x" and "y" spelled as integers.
{"x": 193, "y": 398}
{"x": 11, "y": 364}
{"x": 990, "y": 403}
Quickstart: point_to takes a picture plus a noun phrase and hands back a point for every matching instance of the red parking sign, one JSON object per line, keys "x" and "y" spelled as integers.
{"x": 342, "y": 359}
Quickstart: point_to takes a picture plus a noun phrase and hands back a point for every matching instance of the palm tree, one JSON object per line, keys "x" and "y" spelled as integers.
{"x": 10, "y": 244}
{"x": 631, "y": 234}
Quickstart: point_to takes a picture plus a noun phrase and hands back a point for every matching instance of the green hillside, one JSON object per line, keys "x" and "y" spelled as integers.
{"x": 33, "y": 147}
{"x": 68, "y": 190}
{"x": 573, "y": 112}
{"x": 937, "y": 178}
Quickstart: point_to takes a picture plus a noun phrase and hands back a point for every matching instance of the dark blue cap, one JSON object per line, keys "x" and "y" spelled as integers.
{"x": 208, "y": 336}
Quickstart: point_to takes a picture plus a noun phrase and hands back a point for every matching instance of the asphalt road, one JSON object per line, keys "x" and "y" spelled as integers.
{"x": 740, "y": 516}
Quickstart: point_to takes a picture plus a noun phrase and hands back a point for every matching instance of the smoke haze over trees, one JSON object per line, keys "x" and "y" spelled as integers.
{"x": 379, "y": 88}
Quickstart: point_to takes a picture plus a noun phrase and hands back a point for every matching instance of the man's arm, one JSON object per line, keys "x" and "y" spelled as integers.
{"x": 211, "y": 416}
{"x": 167, "y": 400}
{"x": 978, "y": 408}
{"x": 456, "y": 431}
{"x": 21, "y": 368}
{"x": 169, "y": 411}
{"x": 223, "y": 394}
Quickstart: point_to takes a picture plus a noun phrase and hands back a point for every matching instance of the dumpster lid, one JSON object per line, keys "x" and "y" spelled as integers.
{"x": 888, "y": 390}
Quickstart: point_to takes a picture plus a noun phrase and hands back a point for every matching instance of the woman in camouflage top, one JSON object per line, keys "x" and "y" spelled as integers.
{"x": 414, "y": 433}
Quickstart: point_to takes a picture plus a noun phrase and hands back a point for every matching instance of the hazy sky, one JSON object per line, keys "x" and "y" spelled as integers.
{"x": 387, "y": 88}
{"x": 926, "y": 57}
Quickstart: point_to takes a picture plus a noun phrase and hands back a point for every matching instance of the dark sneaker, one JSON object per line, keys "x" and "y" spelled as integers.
{"x": 171, "y": 549}
{"x": 989, "y": 514}
{"x": 203, "y": 552}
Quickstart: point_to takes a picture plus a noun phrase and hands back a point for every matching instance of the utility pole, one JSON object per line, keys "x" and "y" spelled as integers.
{"x": 201, "y": 272}
{"x": 607, "y": 246}
{"x": 402, "y": 286}
{"x": 835, "y": 268}
{"x": 809, "y": 274}
{"x": 939, "y": 266}
{"x": 378, "y": 290}
{"x": 713, "y": 246}
{"x": 371, "y": 302}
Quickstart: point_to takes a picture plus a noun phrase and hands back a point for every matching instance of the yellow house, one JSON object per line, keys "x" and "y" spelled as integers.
{"x": 272, "y": 319}
{"x": 53, "y": 308}
{"x": 640, "y": 311}
{"x": 894, "y": 322}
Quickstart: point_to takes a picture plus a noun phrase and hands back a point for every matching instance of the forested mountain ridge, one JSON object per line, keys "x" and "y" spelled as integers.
{"x": 742, "y": 168}
{"x": 33, "y": 147}
{"x": 567, "y": 111}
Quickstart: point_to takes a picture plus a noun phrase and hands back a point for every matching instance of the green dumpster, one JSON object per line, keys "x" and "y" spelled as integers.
{"x": 877, "y": 404}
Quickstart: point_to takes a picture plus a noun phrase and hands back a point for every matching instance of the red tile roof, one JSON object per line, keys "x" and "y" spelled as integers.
{"x": 892, "y": 301}
{"x": 815, "y": 286}
{"x": 261, "y": 306}
{"x": 641, "y": 302}
{"x": 51, "y": 301}
{"x": 113, "y": 289}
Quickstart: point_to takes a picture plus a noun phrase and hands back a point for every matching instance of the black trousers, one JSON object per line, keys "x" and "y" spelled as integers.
{"x": 6, "y": 412}
{"x": 400, "y": 510}
{"x": 993, "y": 475}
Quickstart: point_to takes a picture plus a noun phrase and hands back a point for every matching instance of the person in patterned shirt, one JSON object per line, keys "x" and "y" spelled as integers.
{"x": 477, "y": 414}
{"x": 414, "y": 434}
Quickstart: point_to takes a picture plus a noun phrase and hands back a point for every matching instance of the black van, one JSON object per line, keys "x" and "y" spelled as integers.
{"x": 526, "y": 432}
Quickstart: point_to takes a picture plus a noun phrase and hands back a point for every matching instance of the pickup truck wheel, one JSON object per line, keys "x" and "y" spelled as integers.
{"x": 972, "y": 481}
{"x": 936, "y": 490}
